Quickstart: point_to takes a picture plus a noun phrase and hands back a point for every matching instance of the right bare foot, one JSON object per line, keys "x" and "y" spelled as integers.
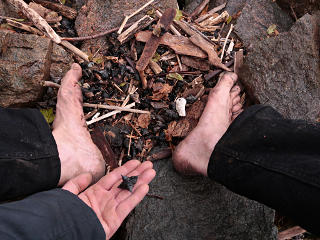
{"x": 78, "y": 154}
{"x": 192, "y": 155}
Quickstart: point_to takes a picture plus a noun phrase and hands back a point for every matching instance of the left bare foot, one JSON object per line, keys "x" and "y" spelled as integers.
{"x": 78, "y": 154}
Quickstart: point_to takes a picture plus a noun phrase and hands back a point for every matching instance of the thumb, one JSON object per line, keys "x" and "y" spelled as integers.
{"x": 78, "y": 184}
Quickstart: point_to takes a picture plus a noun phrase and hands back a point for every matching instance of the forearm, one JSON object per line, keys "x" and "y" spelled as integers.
{"x": 55, "y": 214}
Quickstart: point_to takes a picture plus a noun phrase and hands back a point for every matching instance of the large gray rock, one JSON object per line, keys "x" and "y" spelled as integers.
{"x": 235, "y": 6}
{"x": 25, "y": 63}
{"x": 257, "y": 16}
{"x": 101, "y": 15}
{"x": 300, "y": 7}
{"x": 24, "y": 66}
{"x": 284, "y": 71}
{"x": 7, "y": 9}
{"x": 196, "y": 208}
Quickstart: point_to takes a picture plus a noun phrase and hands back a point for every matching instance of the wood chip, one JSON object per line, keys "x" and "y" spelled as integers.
{"x": 180, "y": 44}
{"x": 207, "y": 47}
{"x": 196, "y": 63}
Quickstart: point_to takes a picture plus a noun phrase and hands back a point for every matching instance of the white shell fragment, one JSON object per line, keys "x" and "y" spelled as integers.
{"x": 181, "y": 106}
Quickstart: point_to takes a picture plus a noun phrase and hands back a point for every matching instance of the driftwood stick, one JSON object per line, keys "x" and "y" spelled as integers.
{"x": 75, "y": 50}
{"x": 109, "y": 115}
{"x": 225, "y": 42}
{"x": 133, "y": 14}
{"x": 200, "y": 8}
{"x": 215, "y": 20}
{"x": 24, "y": 27}
{"x": 64, "y": 10}
{"x": 109, "y": 107}
{"x": 140, "y": 24}
{"x": 210, "y": 13}
{"x": 99, "y": 35}
{"x": 143, "y": 79}
{"x": 37, "y": 20}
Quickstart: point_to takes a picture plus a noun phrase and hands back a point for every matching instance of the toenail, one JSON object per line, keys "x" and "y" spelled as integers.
{"x": 75, "y": 66}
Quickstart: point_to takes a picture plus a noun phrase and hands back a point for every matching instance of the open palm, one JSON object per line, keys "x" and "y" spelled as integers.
{"x": 111, "y": 204}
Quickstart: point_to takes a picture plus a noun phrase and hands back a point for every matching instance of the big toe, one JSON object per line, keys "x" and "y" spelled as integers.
{"x": 227, "y": 81}
{"x": 73, "y": 75}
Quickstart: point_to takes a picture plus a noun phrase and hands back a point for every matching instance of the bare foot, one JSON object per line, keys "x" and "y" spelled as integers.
{"x": 193, "y": 153}
{"x": 78, "y": 154}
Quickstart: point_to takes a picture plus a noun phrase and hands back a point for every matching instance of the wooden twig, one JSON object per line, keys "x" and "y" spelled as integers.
{"x": 99, "y": 35}
{"x": 140, "y": 24}
{"x": 290, "y": 233}
{"x": 75, "y": 50}
{"x": 133, "y": 14}
{"x": 208, "y": 48}
{"x": 24, "y": 27}
{"x": 155, "y": 67}
{"x": 225, "y": 42}
{"x": 62, "y": 9}
{"x": 199, "y": 9}
{"x": 37, "y": 20}
{"x": 215, "y": 20}
{"x": 210, "y": 13}
{"x": 123, "y": 109}
{"x": 109, "y": 115}
{"x": 143, "y": 79}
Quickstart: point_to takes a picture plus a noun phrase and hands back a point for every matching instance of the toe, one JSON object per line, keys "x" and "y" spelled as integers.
{"x": 236, "y": 108}
{"x": 236, "y": 100}
{"x": 73, "y": 75}
{"x": 227, "y": 80}
{"x": 235, "y": 115}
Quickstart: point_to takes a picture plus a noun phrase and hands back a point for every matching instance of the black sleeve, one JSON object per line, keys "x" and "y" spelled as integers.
{"x": 55, "y": 214}
{"x": 29, "y": 158}
{"x": 274, "y": 161}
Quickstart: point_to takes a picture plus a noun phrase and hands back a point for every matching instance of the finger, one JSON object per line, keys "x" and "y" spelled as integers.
{"x": 125, "y": 207}
{"x": 78, "y": 184}
{"x": 136, "y": 172}
{"x": 145, "y": 178}
{"x": 108, "y": 181}
{"x": 73, "y": 75}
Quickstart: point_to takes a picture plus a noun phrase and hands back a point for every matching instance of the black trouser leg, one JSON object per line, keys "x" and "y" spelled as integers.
{"x": 274, "y": 161}
{"x": 29, "y": 159}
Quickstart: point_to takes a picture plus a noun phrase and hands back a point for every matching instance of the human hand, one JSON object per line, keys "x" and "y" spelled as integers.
{"x": 110, "y": 203}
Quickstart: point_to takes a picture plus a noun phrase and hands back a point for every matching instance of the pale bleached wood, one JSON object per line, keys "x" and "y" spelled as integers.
{"x": 37, "y": 20}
